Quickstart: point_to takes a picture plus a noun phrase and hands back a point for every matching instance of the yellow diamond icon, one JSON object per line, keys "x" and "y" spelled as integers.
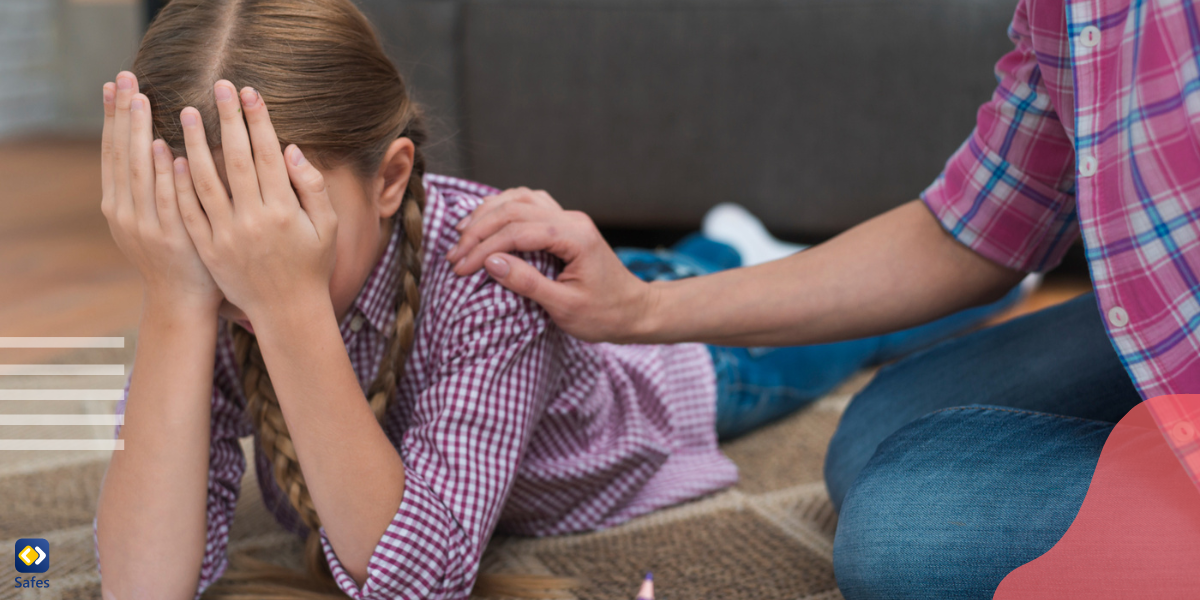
{"x": 28, "y": 555}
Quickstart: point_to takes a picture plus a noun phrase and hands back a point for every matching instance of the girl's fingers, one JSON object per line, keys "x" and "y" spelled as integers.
{"x": 235, "y": 146}
{"x": 164, "y": 189}
{"x": 204, "y": 181}
{"x": 126, "y": 88}
{"x": 268, "y": 159}
{"x": 190, "y": 211}
{"x": 310, "y": 188}
{"x": 141, "y": 161}
{"x": 106, "y": 146}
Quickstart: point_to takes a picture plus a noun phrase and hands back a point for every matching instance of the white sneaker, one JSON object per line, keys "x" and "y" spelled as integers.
{"x": 732, "y": 224}
{"x": 1030, "y": 284}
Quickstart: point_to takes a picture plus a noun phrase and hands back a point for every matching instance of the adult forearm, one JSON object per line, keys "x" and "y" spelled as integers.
{"x": 897, "y": 270}
{"x": 151, "y": 511}
{"x": 354, "y": 475}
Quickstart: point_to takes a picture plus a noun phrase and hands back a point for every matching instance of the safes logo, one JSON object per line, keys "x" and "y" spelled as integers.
{"x": 33, "y": 555}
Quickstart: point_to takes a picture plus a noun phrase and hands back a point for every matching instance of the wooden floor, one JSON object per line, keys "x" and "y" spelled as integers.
{"x": 62, "y": 275}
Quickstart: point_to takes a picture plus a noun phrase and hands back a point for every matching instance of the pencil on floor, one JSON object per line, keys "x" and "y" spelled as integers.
{"x": 647, "y": 591}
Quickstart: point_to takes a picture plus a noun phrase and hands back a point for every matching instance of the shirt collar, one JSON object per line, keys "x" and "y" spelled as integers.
{"x": 376, "y": 300}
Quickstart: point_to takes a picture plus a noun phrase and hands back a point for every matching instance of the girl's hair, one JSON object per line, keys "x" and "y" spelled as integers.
{"x": 332, "y": 91}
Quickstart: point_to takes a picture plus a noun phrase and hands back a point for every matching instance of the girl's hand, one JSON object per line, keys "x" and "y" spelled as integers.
{"x": 266, "y": 245}
{"x": 139, "y": 202}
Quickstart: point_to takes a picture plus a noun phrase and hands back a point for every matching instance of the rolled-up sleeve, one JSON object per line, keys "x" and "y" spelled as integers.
{"x": 1008, "y": 191}
{"x": 422, "y": 554}
{"x": 466, "y": 432}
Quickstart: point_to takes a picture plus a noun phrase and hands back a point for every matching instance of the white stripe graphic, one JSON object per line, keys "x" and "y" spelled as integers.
{"x": 61, "y": 394}
{"x": 62, "y": 370}
{"x": 6, "y": 420}
{"x": 62, "y": 342}
{"x": 107, "y": 445}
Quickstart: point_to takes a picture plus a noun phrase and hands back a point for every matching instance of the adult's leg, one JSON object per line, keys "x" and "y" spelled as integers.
{"x": 954, "y": 501}
{"x": 1057, "y": 360}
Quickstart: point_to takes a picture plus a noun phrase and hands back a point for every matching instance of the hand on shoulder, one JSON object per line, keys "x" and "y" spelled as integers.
{"x": 595, "y": 297}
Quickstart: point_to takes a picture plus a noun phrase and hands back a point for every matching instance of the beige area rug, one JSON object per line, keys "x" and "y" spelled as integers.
{"x": 770, "y": 537}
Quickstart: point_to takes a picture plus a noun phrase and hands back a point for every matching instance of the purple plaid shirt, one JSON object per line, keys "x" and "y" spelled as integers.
{"x": 503, "y": 422}
{"x": 1095, "y": 127}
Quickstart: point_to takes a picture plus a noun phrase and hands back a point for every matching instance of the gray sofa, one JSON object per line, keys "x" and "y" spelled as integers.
{"x": 816, "y": 114}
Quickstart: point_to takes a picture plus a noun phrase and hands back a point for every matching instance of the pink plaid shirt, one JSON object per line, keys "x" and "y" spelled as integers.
{"x": 503, "y": 422}
{"x": 1094, "y": 128}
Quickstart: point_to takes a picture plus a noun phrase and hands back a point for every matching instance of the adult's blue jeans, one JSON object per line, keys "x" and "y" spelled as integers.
{"x": 962, "y": 462}
{"x": 758, "y": 385}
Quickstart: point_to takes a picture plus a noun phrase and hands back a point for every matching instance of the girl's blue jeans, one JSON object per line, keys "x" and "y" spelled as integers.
{"x": 758, "y": 385}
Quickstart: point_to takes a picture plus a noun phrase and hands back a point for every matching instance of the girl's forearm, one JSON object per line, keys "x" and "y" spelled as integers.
{"x": 354, "y": 474}
{"x": 897, "y": 270}
{"x": 151, "y": 512}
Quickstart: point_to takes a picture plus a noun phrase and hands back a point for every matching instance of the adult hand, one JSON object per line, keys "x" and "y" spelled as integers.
{"x": 140, "y": 204}
{"x": 595, "y": 297}
{"x": 268, "y": 243}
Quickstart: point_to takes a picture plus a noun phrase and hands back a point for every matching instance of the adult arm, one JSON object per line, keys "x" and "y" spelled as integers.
{"x": 1003, "y": 205}
{"x": 896, "y": 270}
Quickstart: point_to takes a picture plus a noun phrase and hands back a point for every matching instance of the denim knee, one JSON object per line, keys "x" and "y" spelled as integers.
{"x": 843, "y": 460}
{"x": 952, "y": 502}
{"x": 1054, "y": 361}
{"x": 874, "y": 414}
{"x": 871, "y": 559}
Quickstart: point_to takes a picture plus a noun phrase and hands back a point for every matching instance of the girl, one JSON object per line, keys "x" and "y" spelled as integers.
{"x": 301, "y": 294}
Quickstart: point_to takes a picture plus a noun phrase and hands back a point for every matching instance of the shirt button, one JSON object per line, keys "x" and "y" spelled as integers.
{"x": 1087, "y": 165}
{"x": 1090, "y": 36}
{"x": 356, "y": 323}
{"x": 1183, "y": 432}
{"x": 1117, "y": 316}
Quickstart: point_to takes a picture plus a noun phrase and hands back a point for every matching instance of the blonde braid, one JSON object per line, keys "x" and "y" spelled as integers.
{"x": 408, "y": 297}
{"x": 276, "y": 442}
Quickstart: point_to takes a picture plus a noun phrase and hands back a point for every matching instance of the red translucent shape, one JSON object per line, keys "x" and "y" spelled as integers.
{"x": 1137, "y": 534}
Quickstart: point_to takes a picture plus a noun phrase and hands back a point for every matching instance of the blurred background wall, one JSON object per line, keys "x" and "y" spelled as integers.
{"x": 815, "y": 114}
{"x": 28, "y": 47}
{"x": 55, "y": 55}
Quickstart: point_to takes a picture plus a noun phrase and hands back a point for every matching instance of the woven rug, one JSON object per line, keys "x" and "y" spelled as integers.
{"x": 769, "y": 537}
